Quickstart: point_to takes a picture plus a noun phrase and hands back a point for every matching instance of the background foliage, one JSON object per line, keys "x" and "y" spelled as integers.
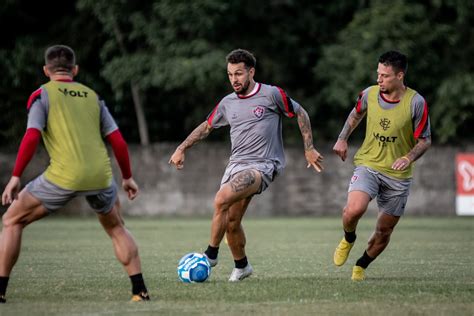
{"x": 171, "y": 54}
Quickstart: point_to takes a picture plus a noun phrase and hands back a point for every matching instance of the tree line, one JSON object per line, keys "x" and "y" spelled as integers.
{"x": 160, "y": 64}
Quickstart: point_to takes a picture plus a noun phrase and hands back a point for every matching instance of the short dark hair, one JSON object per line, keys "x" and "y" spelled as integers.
{"x": 397, "y": 60}
{"x": 59, "y": 58}
{"x": 242, "y": 56}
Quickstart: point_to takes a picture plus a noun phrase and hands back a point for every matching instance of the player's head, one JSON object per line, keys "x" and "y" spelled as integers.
{"x": 60, "y": 59}
{"x": 391, "y": 71}
{"x": 240, "y": 69}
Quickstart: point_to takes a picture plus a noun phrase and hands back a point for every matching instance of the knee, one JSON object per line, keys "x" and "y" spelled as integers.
{"x": 220, "y": 202}
{"x": 383, "y": 233}
{"x": 6, "y": 221}
{"x": 354, "y": 209}
{"x": 11, "y": 221}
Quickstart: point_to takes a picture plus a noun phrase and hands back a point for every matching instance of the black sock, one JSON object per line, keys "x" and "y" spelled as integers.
{"x": 350, "y": 237}
{"x": 211, "y": 252}
{"x": 364, "y": 261}
{"x": 138, "y": 285}
{"x": 241, "y": 263}
{"x": 3, "y": 285}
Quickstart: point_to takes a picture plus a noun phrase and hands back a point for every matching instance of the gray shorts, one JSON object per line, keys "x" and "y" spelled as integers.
{"x": 267, "y": 170}
{"x": 54, "y": 197}
{"x": 392, "y": 194}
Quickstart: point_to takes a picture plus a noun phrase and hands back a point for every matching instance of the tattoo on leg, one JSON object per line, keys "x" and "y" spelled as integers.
{"x": 242, "y": 180}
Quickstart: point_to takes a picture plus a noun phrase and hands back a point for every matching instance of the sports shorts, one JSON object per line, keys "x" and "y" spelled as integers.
{"x": 268, "y": 171}
{"x": 54, "y": 197}
{"x": 392, "y": 194}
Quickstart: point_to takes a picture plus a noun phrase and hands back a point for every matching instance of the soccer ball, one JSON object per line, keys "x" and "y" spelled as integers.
{"x": 193, "y": 267}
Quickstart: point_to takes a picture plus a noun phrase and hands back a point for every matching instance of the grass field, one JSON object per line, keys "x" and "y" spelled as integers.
{"x": 67, "y": 267}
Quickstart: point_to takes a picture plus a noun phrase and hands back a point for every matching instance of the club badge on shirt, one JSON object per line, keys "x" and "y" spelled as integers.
{"x": 259, "y": 111}
{"x": 354, "y": 179}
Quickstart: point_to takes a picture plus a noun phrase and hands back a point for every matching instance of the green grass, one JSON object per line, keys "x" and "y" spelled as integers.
{"x": 67, "y": 266}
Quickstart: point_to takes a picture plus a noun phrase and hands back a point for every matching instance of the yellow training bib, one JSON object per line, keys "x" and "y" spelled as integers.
{"x": 78, "y": 156}
{"x": 389, "y": 135}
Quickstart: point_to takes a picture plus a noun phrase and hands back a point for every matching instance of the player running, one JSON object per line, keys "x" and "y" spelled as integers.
{"x": 254, "y": 112}
{"x": 72, "y": 120}
{"x": 397, "y": 134}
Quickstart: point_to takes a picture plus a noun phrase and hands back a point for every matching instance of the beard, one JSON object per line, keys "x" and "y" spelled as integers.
{"x": 243, "y": 89}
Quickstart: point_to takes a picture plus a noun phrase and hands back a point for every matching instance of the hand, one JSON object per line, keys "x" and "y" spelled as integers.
{"x": 401, "y": 163}
{"x": 340, "y": 148}
{"x": 130, "y": 187}
{"x": 177, "y": 159}
{"x": 11, "y": 191}
{"x": 314, "y": 159}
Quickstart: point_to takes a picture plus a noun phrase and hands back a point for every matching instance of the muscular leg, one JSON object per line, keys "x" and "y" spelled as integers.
{"x": 126, "y": 249}
{"x": 357, "y": 202}
{"x": 240, "y": 187}
{"x": 21, "y": 212}
{"x": 381, "y": 236}
{"x": 235, "y": 231}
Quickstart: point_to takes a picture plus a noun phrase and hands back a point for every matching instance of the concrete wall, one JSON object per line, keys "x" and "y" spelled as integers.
{"x": 299, "y": 191}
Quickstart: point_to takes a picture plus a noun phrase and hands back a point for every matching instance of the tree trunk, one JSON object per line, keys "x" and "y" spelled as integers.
{"x": 142, "y": 125}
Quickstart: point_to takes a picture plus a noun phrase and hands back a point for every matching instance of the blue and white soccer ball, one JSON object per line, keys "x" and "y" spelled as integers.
{"x": 193, "y": 267}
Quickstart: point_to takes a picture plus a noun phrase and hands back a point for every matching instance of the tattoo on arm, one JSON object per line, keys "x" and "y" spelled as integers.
{"x": 351, "y": 123}
{"x": 199, "y": 133}
{"x": 420, "y": 148}
{"x": 242, "y": 180}
{"x": 305, "y": 128}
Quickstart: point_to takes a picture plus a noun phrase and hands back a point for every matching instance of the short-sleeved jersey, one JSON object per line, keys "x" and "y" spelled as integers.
{"x": 73, "y": 121}
{"x": 255, "y": 124}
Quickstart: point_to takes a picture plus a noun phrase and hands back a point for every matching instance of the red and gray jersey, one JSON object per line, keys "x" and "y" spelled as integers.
{"x": 255, "y": 124}
{"x": 419, "y": 111}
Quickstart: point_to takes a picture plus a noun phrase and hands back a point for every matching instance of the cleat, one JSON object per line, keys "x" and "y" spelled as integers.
{"x": 212, "y": 262}
{"x": 240, "y": 274}
{"x": 141, "y": 297}
{"x": 358, "y": 273}
{"x": 342, "y": 252}
{"x": 3, "y": 300}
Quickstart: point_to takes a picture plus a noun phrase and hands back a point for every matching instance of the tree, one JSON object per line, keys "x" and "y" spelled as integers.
{"x": 159, "y": 49}
{"x": 428, "y": 33}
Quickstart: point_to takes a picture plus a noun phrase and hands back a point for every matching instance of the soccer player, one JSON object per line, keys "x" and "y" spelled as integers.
{"x": 397, "y": 134}
{"x": 254, "y": 112}
{"x": 72, "y": 120}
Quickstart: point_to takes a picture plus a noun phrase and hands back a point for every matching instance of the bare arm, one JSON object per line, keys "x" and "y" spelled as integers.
{"x": 313, "y": 157}
{"x": 416, "y": 152}
{"x": 198, "y": 134}
{"x": 351, "y": 123}
{"x": 353, "y": 120}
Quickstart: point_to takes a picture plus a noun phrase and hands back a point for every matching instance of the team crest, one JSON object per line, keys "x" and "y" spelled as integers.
{"x": 385, "y": 123}
{"x": 354, "y": 179}
{"x": 259, "y": 111}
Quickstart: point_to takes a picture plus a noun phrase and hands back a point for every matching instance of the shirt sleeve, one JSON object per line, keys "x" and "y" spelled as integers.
{"x": 107, "y": 122}
{"x": 217, "y": 117}
{"x": 361, "y": 103}
{"x": 38, "y": 108}
{"x": 420, "y": 117}
{"x": 285, "y": 104}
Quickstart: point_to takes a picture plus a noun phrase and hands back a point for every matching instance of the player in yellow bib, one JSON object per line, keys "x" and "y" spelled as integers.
{"x": 73, "y": 122}
{"x": 397, "y": 134}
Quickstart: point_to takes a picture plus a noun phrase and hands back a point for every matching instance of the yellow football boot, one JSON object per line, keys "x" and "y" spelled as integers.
{"x": 142, "y": 296}
{"x": 342, "y": 252}
{"x": 358, "y": 274}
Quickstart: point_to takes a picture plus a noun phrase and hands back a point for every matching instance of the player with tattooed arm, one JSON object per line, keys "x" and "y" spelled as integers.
{"x": 254, "y": 113}
{"x": 397, "y": 134}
